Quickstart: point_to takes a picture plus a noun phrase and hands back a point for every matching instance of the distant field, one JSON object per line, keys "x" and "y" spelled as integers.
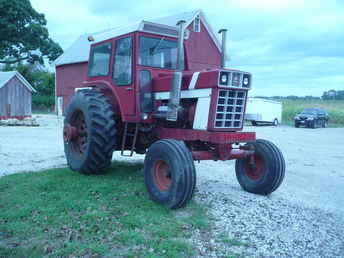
{"x": 335, "y": 108}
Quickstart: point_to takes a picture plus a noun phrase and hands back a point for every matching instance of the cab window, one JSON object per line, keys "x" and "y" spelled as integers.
{"x": 123, "y": 62}
{"x": 100, "y": 60}
{"x": 158, "y": 52}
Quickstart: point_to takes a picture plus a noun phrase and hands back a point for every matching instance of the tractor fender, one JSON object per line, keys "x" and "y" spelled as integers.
{"x": 108, "y": 91}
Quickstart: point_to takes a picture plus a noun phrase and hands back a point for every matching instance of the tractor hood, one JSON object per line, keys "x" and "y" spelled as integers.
{"x": 223, "y": 78}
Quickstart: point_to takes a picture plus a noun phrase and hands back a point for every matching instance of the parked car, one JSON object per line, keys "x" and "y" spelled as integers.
{"x": 312, "y": 117}
{"x": 263, "y": 111}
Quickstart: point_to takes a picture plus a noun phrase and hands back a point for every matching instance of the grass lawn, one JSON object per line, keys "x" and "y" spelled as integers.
{"x": 59, "y": 213}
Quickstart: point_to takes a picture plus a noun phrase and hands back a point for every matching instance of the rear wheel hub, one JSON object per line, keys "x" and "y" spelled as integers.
{"x": 69, "y": 133}
{"x": 75, "y": 133}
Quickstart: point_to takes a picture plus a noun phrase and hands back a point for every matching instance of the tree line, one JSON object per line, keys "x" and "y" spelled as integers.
{"x": 333, "y": 94}
{"x": 327, "y": 95}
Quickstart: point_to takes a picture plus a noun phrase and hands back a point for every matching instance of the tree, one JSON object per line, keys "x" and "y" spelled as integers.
{"x": 23, "y": 34}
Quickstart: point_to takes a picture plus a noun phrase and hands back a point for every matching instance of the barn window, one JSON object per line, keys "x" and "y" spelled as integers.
{"x": 197, "y": 24}
{"x": 100, "y": 60}
{"x": 123, "y": 61}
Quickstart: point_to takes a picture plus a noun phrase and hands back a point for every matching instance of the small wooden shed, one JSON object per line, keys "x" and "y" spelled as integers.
{"x": 15, "y": 96}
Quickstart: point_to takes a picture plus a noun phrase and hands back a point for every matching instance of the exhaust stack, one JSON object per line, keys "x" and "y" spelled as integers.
{"x": 223, "y": 47}
{"x": 173, "y": 105}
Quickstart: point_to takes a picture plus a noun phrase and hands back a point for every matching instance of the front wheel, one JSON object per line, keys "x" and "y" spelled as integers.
{"x": 266, "y": 173}
{"x": 169, "y": 171}
{"x": 312, "y": 124}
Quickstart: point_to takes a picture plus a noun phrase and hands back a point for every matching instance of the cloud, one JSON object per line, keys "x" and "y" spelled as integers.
{"x": 291, "y": 47}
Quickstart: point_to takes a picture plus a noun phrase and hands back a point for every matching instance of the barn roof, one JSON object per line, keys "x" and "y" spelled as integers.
{"x": 5, "y": 77}
{"x": 78, "y": 52}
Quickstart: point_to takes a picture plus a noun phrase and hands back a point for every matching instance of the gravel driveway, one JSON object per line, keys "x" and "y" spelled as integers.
{"x": 303, "y": 218}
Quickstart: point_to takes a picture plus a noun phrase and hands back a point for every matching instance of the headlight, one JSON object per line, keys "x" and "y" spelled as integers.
{"x": 223, "y": 78}
{"x": 246, "y": 81}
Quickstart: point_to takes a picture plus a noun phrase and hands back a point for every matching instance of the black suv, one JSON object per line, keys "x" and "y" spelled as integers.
{"x": 312, "y": 117}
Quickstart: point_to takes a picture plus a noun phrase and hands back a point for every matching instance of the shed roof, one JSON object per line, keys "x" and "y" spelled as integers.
{"x": 78, "y": 52}
{"x": 7, "y": 76}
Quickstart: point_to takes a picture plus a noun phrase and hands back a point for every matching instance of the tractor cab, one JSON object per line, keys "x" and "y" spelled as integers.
{"x": 127, "y": 66}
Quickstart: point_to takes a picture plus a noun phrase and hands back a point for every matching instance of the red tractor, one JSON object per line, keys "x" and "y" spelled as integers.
{"x": 140, "y": 96}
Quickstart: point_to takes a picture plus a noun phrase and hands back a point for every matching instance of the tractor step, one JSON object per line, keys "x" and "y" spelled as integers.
{"x": 124, "y": 139}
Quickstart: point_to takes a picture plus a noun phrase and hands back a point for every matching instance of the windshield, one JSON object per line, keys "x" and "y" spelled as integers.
{"x": 309, "y": 111}
{"x": 158, "y": 52}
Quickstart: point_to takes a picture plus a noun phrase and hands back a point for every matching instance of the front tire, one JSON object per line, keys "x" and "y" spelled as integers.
{"x": 89, "y": 132}
{"x": 267, "y": 174}
{"x": 170, "y": 175}
{"x": 312, "y": 124}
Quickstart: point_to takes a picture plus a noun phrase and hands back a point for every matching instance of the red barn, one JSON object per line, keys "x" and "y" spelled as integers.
{"x": 15, "y": 96}
{"x": 202, "y": 50}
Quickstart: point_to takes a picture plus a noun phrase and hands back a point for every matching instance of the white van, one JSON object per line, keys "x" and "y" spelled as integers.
{"x": 260, "y": 110}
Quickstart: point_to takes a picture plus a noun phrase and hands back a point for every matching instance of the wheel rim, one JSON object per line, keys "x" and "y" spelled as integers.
{"x": 162, "y": 175}
{"x": 257, "y": 171}
{"x": 75, "y": 133}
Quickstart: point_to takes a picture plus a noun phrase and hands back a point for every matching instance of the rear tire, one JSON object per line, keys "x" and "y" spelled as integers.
{"x": 170, "y": 175}
{"x": 90, "y": 150}
{"x": 297, "y": 125}
{"x": 269, "y": 172}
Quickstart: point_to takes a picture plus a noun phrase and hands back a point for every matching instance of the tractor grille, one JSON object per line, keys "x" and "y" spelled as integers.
{"x": 230, "y": 109}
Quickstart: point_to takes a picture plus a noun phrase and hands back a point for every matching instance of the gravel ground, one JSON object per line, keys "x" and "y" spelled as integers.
{"x": 303, "y": 218}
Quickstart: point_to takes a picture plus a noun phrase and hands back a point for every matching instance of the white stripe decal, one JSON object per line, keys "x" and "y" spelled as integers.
{"x": 185, "y": 94}
{"x": 193, "y": 81}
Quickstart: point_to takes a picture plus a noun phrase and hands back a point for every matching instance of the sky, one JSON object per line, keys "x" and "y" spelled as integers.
{"x": 291, "y": 47}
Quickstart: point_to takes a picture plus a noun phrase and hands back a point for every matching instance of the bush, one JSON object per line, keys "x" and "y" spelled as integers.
{"x": 43, "y": 102}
